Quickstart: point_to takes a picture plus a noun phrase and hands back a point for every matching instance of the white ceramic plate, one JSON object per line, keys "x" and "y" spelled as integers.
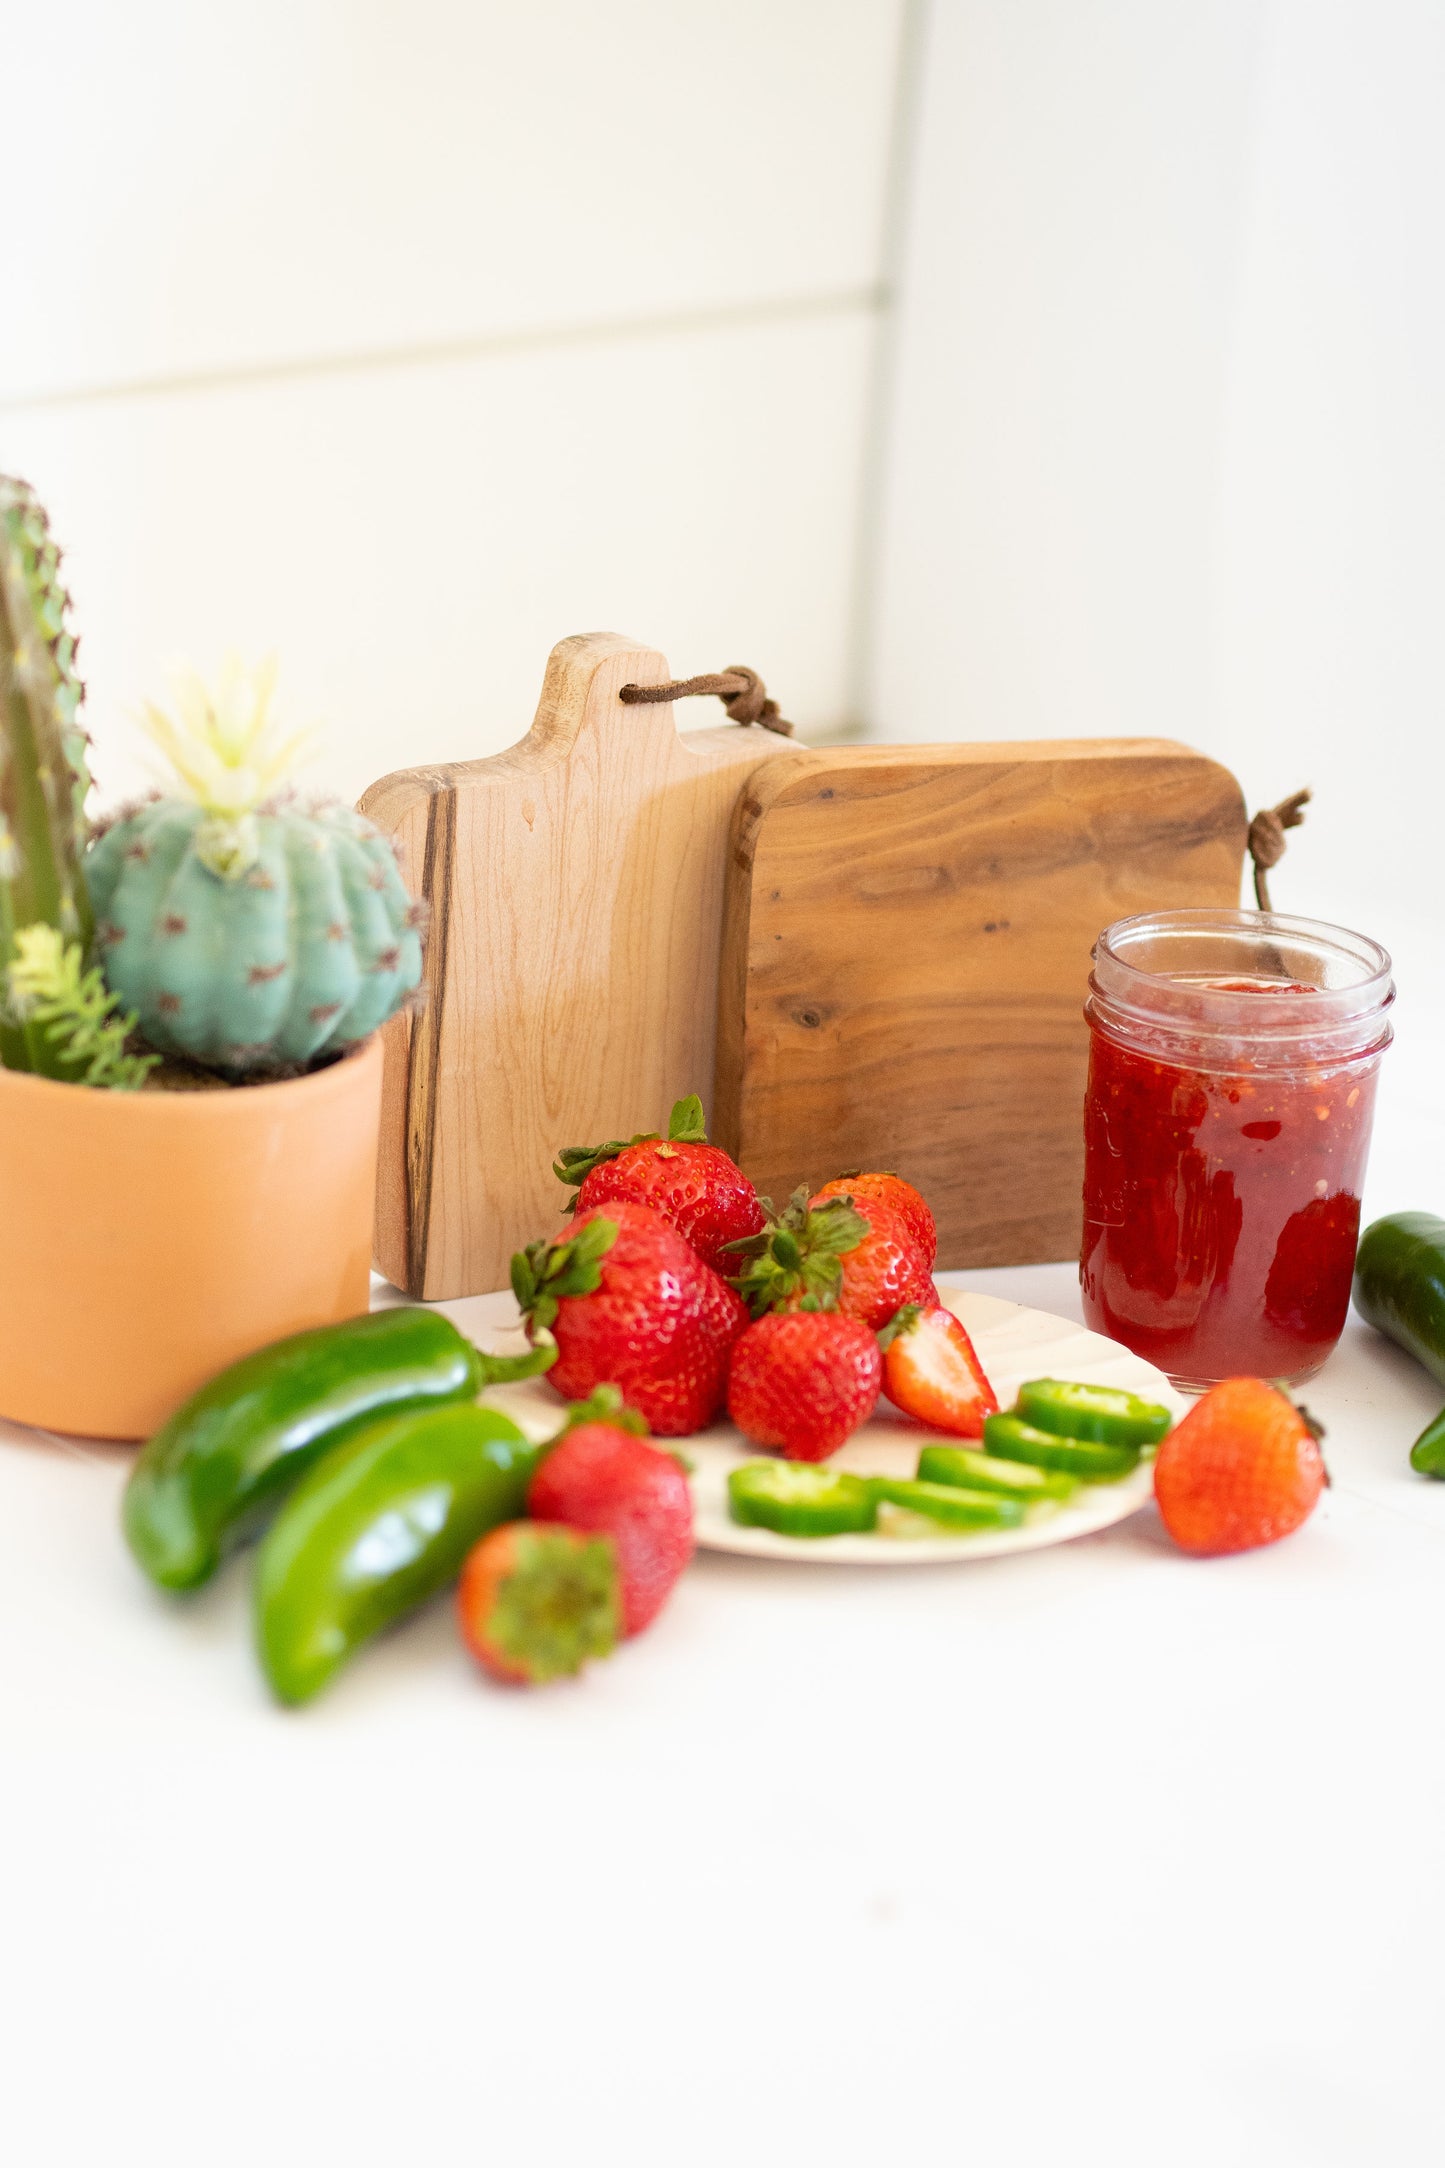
{"x": 1013, "y": 1344}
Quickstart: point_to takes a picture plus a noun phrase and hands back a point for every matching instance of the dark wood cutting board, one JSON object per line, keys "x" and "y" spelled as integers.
{"x": 906, "y": 938}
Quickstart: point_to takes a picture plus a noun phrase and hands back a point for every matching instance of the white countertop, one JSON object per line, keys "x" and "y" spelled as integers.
{"x": 1097, "y": 1853}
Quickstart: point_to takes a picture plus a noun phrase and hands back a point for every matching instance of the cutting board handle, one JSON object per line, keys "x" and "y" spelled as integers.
{"x": 580, "y": 696}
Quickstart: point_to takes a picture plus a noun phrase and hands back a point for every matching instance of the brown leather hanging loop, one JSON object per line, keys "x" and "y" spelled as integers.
{"x": 740, "y": 689}
{"x": 1267, "y": 840}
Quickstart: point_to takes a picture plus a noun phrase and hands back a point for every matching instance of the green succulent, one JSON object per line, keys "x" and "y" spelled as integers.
{"x": 247, "y": 932}
{"x": 44, "y": 779}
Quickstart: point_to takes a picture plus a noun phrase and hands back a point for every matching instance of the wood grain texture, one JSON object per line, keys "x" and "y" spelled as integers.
{"x": 906, "y": 945}
{"x": 575, "y": 885}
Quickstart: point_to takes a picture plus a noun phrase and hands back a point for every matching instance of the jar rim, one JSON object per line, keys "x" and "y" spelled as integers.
{"x": 1207, "y": 979}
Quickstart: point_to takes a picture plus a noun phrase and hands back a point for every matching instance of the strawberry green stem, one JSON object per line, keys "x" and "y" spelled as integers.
{"x": 797, "y": 1261}
{"x": 545, "y": 1272}
{"x": 559, "y": 1606}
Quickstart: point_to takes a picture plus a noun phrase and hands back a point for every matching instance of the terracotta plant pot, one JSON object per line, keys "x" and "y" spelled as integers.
{"x": 147, "y": 1239}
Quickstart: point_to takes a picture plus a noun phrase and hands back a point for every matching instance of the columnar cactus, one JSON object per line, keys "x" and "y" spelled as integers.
{"x": 247, "y": 933}
{"x": 43, "y": 775}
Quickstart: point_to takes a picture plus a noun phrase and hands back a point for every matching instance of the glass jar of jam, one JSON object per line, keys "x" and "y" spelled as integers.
{"x": 1231, "y": 1089}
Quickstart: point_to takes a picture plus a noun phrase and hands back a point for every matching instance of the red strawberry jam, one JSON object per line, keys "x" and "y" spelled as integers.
{"x": 1226, "y": 1128}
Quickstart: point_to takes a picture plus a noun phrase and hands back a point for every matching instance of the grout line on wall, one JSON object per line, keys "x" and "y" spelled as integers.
{"x": 737, "y": 316}
{"x": 878, "y": 415}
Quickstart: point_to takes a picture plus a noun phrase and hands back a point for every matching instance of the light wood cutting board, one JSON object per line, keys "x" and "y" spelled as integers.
{"x": 575, "y": 887}
{"x": 906, "y": 940}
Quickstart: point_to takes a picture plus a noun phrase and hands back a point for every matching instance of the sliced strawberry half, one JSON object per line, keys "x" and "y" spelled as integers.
{"x": 932, "y": 1372}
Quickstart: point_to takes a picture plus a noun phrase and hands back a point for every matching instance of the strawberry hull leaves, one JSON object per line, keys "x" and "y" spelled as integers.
{"x": 536, "y": 1603}
{"x": 696, "y": 1186}
{"x": 889, "y": 1193}
{"x": 544, "y": 1272}
{"x": 797, "y": 1262}
{"x": 888, "y": 1268}
{"x": 604, "y": 1405}
{"x": 835, "y": 1252}
{"x": 575, "y": 1162}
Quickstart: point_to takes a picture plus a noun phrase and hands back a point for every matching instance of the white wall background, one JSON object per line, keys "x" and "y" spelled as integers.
{"x": 406, "y": 340}
{"x": 1165, "y": 440}
{"x": 974, "y": 367}
{"x": 1166, "y": 445}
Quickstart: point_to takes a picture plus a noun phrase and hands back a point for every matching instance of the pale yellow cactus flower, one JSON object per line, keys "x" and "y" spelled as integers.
{"x": 226, "y": 753}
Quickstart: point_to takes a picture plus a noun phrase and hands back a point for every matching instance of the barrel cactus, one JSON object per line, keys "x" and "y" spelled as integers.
{"x": 248, "y": 933}
{"x": 43, "y": 775}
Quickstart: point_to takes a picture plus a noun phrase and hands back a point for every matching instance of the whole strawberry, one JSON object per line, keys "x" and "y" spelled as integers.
{"x": 604, "y": 1478}
{"x": 694, "y": 1185}
{"x": 894, "y": 1194}
{"x": 886, "y": 1270}
{"x": 629, "y": 1303}
{"x": 855, "y": 1256}
{"x": 803, "y": 1380}
{"x": 1243, "y": 1468}
{"x": 538, "y": 1603}
{"x": 723, "y": 1309}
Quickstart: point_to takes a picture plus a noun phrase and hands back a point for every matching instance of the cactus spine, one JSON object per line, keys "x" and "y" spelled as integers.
{"x": 43, "y": 775}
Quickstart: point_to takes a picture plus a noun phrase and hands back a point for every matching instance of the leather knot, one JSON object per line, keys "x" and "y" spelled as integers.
{"x": 1267, "y": 840}
{"x": 751, "y": 703}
